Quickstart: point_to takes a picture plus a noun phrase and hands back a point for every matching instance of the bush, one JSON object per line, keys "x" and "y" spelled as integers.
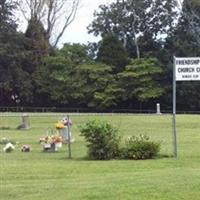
{"x": 139, "y": 148}
{"x": 102, "y": 138}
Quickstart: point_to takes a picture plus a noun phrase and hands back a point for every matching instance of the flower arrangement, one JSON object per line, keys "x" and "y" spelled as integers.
{"x": 51, "y": 143}
{"x": 26, "y": 148}
{"x": 60, "y": 125}
{"x": 51, "y": 139}
{"x": 56, "y": 138}
{"x": 64, "y": 122}
{"x": 9, "y": 147}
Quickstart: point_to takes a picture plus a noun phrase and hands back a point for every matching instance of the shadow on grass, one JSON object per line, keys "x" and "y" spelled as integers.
{"x": 160, "y": 156}
{"x": 5, "y": 128}
{"x": 8, "y": 128}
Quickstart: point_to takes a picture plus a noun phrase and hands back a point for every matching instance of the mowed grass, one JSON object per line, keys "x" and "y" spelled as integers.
{"x": 52, "y": 176}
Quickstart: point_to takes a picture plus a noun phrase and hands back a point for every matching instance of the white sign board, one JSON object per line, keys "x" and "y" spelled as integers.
{"x": 187, "y": 69}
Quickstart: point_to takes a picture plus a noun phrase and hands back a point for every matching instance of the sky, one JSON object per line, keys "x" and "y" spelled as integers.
{"x": 77, "y": 31}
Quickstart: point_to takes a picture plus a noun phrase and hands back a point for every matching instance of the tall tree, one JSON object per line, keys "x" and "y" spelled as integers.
{"x": 14, "y": 81}
{"x": 132, "y": 19}
{"x": 190, "y": 17}
{"x": 140, "y": 80}
{"x": 50, "y": 13}
{"x": 38, "y": 45}
{"x": 81, "y": 85}
{"x": 37, "y": 34}
{"x": 112, "y": 53}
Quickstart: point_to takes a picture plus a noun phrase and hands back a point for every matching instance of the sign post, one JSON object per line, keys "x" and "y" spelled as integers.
{"x": 69, "y": 138}
{"x": 184, "y": 69}
{"x": 174, "y": 109}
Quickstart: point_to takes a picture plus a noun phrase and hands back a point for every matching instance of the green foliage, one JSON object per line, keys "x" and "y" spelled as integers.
{"x": 38, "y": 45}
{"x": 71, "y": 78}
{"x": 109, "y": 97}
{"x": 76, "y": 85}
{"x": 14, "y": 79}
{"x": 77, "y": 53}
{"x": 102, "y": 139}
{"x": 52, "y": 78}
{"x": 91, "y": 81}
{"x": 100, "y": 75}
{"x": 135, "y": 18}
{"x": 139, "y": 79}
{"x": 140, "y": 148}
{"x": 112, "y": 53}
{"x": 187, "y": 27}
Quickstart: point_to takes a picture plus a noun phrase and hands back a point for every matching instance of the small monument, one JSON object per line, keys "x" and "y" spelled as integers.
{"x": 25, "y": 122}
{"x": 158, "y": 109}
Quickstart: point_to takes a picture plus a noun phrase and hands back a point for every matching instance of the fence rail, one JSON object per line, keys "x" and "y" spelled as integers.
{"x": 86, "y": 111}
{"x": 75, "y": 110}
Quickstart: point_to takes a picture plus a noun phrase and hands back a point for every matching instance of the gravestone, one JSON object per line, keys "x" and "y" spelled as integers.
{"x": 25, "y": 122}
{"x": 158, "y": 108}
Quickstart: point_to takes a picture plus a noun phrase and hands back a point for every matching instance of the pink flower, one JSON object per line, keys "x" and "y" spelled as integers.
{"x": 66, "y": 122}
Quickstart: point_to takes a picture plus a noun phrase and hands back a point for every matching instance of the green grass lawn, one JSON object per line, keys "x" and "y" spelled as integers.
{"x": 51, "y": 176}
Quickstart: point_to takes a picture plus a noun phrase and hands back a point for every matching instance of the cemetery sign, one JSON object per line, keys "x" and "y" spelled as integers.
{"x": 187, "y": 69}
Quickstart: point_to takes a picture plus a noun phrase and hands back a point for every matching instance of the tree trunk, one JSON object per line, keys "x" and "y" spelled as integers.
{"x": 135, "y": 36}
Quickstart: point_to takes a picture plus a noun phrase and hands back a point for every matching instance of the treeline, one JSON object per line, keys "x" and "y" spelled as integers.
{"x": 131, "y": 67}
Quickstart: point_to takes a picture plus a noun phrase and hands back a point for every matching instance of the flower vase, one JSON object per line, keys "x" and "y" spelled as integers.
{"x": 58, "y": 145}
{"x": 49, "y": 147}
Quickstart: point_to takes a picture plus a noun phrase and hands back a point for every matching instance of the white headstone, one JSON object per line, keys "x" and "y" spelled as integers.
{"x": 158, "y": 108}
{"x": 25, "y": 121}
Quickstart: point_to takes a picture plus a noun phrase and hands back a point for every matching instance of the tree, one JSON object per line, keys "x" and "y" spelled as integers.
{"x": 132, "y": 19}
{"x": 37, "y": 46}
{"x": 77, "y": 53}
{"x": 112, "y": 53}
{"x": 38, "y": 36}
{"x": 73, "y": 85}
{"x": 14, "y": 81}
{"x": 53, "y": 81}
{"x": 90, "y": 80}
{"x": 183, "y": 42}
{"x": 6, "y": 17}
{"x": 50, "y": 13}
{"x": 139, "y": 80}
{"x": 190, "y": 17}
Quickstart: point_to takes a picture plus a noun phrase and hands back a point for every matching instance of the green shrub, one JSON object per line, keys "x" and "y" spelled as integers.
{"x": 103, "y": 141}
{"x": 139, "y": 148}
